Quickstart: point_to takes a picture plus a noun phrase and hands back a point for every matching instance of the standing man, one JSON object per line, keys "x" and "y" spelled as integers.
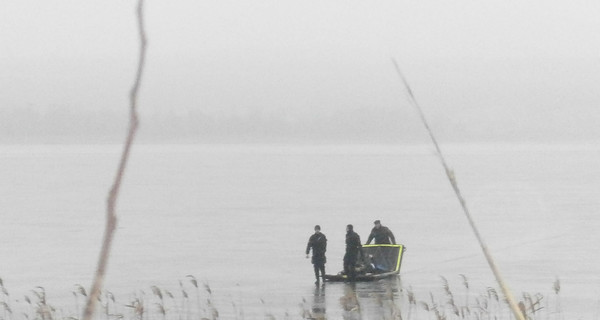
{"x": 353, "y": 249}
{"x": 318, "y": 243}
{"x": 381, "y": 234}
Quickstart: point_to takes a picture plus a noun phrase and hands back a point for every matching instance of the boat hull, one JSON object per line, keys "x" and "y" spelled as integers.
{"x": 385, "y": 261}
{"x": 361, "y": 277}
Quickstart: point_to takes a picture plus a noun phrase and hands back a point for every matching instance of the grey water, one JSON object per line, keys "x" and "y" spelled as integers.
{"x": 237, "y": 218}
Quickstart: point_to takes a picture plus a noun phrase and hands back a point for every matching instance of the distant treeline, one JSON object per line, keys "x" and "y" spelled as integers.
{"x": 26, "y": 125}
{"x": 352, "y": 125}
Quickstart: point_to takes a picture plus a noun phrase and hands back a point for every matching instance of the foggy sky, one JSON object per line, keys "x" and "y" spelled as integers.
{"x": 480, "y": 69}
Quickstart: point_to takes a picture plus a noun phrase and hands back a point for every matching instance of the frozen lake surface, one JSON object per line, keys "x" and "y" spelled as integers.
{"x": 238, "y": 218}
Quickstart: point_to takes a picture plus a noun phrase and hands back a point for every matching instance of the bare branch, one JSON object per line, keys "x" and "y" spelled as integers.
{"x": 111, "y": 217}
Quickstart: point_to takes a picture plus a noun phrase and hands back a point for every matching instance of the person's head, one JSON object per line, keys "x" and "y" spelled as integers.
{"x": 349, "y": 228}
{"x": 377, "y": 224}
{"x": 317, "y": 229}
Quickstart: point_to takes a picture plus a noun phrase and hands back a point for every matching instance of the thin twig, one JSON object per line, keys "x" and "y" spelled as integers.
{"x": 111, "y": 217}
{"x": 511, "y": 301}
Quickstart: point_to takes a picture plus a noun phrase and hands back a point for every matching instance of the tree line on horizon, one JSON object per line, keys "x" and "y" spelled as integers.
{"x": 352, "y": 125}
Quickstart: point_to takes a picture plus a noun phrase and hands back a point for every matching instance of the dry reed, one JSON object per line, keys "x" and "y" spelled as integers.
{"x": 393, "y": 302}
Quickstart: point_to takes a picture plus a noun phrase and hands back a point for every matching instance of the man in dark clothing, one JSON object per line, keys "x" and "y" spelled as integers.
{"x": 381, "y": 234}
{"x": 353, "y": 250}
{"x": 318, "y": 243}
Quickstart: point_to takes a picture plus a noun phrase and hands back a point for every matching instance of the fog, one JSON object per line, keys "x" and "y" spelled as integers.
{"x": 301, "y": 71}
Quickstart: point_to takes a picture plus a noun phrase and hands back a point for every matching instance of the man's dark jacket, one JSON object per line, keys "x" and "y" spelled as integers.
{"x": 382, "y": 235}
{"x": 353, "y": 246}
{"x": 318, "y": 243}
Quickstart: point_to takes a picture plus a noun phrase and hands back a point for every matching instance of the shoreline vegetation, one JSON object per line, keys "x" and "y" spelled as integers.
{"x": 195, "y": 300}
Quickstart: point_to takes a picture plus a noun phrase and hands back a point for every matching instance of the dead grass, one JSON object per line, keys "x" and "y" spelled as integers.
{"x": 195, "y": 301}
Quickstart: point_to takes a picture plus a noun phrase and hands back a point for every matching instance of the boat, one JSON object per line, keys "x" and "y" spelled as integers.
{"x": 379, "y": 261}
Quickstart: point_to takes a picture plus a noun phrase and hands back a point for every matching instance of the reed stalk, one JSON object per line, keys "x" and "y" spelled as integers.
{"x": 452, "y": 179}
